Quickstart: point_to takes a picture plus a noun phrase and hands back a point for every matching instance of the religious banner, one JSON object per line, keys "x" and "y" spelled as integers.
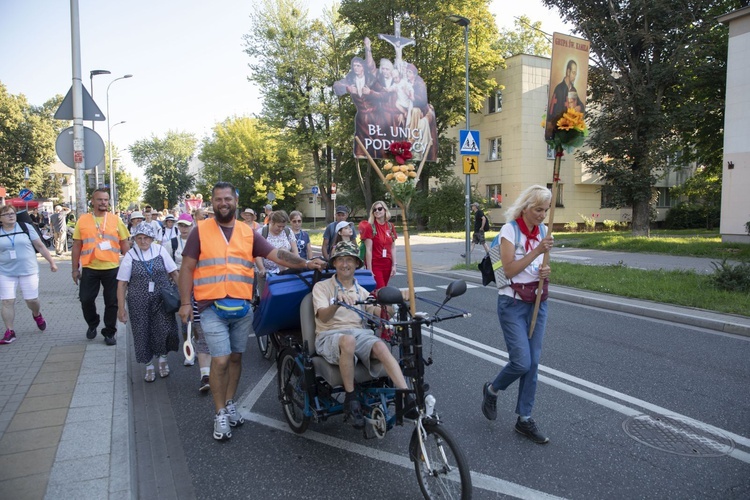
{"x": 391, "y": 102}
{"x": 570, "y": 67}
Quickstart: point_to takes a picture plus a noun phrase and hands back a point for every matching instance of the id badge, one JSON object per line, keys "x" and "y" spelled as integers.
{"x": 13, "y": 255}
{"x": 151, "y": 287}
{"x": 105, "y": 245}
{"x": 385, "y": 253}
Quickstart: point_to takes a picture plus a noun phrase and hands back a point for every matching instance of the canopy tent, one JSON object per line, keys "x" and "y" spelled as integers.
{"x": 19, "y": 203}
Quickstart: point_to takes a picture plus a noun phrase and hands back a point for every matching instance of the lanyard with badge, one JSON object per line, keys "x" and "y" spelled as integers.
{"x": 103, "y": 245}
{"x": 149, "y": 268}
{"x": 12, "y": 239}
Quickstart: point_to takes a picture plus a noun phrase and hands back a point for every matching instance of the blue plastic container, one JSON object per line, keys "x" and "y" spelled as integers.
{"x": 283, "y": 294}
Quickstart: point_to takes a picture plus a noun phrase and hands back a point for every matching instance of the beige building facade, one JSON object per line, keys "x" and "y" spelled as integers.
{"x": 735, "y": 202}
{"x": 514, "y": 154}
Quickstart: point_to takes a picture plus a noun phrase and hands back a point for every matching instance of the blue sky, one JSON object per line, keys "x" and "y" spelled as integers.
{"x": 186, "y": 57}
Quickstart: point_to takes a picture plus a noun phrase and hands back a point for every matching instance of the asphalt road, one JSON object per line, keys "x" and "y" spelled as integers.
{"x": 600, "y": 369}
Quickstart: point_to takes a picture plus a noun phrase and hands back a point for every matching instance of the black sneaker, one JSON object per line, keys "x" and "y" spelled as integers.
{"x": 489, "y": 403}
{"x": 91, "y": 333}
{"x": 353, "y": 412}
{"x": 204, "y": 385}
{"x": 531, "y": 431}
{"x": 110, "y": 340}
{"x": 410, "y": 407}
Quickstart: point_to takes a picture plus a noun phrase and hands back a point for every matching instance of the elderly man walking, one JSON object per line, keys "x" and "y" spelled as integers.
{"x": 217, "y": 267}
{"x": 59, "y": 230}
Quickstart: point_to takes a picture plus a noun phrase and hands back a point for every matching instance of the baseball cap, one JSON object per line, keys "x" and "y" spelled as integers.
{"x": 185, "y": 220}
{"x": 341, "y": 225}
{"x": 342, "y": 209}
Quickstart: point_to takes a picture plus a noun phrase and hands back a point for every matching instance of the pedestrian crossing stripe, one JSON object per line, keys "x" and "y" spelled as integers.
{"x": 468, "y": 285}
{"x": 469, "y": 140}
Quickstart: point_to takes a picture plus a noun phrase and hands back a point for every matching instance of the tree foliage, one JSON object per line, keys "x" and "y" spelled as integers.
{"x": 643, "y": 52}
{"x": 165, "y": 163}
{"x": 256, "y": 158}
{"x": 27, "y": 139}
{"x": 525, "y": 38}
{"x": 295, "y": 61}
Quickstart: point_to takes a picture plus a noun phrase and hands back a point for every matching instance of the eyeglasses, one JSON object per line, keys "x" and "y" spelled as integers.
{"x": 378, "y": 209}
{"x": 9, "y": 214}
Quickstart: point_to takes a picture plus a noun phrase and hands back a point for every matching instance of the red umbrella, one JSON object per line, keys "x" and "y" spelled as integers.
{"x": 19, "y": 203}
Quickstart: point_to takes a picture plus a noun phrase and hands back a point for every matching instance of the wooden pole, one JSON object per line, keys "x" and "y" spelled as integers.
{"x": 551, "y": 221}
{"x": 407, "y": 248}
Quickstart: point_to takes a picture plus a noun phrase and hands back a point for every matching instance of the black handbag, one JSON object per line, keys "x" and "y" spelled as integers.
{"x": 170, "y": 299}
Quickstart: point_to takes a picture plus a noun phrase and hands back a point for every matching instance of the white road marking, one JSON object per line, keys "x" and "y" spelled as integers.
{"x": 468, "y": 285}
{"x": 478, "y": 480}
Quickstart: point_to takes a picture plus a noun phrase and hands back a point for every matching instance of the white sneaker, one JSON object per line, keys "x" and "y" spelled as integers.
{"x": 235, "y": 418}
{"x": 222, "y": 430}
{"x": 187, "y": 362}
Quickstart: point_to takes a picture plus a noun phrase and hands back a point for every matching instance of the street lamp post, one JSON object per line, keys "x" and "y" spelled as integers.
{"x": 109, "y": 141}
{"x": 463, "y": 21}
{"x": 111, "y": 164}
{"x": 92, "y": 74}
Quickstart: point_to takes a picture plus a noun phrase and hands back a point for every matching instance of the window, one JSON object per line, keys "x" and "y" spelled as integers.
{"x": 550, "y": 152}
{"x": 495, "y": 102}
{"x": 495, "y": 195}
{"x": 496, "y": 149}
{"x": 559, "y": 200}
{"x": 665, "y": 199}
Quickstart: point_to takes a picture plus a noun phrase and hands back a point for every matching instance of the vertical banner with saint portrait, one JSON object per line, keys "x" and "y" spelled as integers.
{"x": 391, "y": 102}
{"x": 568, "y": 79}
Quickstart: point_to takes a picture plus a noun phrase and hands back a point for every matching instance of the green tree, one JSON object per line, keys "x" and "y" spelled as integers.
{"x": 294, "y": 61}
{"x": 256, "y": 158}
{"x": 27, "y": 139}
{"x": 525, "y": 38}
{"x": 165, "y": 163}
{"x": 643, "y": 53}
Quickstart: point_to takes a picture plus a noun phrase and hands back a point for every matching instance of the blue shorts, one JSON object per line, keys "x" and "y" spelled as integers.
{"x": 223, "y": 336}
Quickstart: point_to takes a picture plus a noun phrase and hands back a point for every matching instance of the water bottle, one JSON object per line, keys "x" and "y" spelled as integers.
{"x": 429, "y": 405}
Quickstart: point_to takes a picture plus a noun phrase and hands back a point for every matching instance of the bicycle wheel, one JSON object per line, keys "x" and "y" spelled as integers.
{"x": 292, "y": 390}
{"x": 266, "y": 347}
{"x": 448, "y": 475}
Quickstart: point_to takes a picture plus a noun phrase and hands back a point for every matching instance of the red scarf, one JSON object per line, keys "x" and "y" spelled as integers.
{"x": 532, "y": 235}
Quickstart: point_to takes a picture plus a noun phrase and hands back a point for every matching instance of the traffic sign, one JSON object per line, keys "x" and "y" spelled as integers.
{"x": 315, "y": 190}
{"x": 92, "y": 142}
{"x": 469, "y": 141}
{"x": 471, "y": 165}
{"x": 26, "y": 195}
{"x": 90, "y": 110}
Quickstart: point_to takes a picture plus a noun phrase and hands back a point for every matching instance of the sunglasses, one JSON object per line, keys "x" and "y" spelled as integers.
{"x": 378, "y": 209}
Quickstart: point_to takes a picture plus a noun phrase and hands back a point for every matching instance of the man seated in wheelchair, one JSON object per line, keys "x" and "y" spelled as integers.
{"x": 340, "y": 337}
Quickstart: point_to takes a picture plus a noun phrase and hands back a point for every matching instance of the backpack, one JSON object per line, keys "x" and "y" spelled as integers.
{"x": 287, "y": 232}
{"x": 174, "y": 246}
{"x": 362, "y": 248}
{"x": 495, "y": 263}
{"x": 486, "y": 222}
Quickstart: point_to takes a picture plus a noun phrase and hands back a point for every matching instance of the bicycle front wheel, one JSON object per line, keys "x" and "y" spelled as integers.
{"x": 447, "y": 475}
{"x": 266, "y": 347}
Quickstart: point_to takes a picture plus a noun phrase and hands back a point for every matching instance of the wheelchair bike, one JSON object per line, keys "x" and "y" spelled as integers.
{"x": 311, "y": 390}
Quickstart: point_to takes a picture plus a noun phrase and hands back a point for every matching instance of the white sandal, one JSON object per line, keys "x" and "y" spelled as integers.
{"x": 150, "y": 373}
{"x": 163, "y": 368}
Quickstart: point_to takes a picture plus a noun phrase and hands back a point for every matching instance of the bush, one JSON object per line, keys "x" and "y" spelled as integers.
{"x": 691, "y": 216}
{"x": 571, "y": 226}
{"x": 609, "y": 224}
{"x": 731, "y": 278}
{"x": 588, "y": 222}
{"x": 444, "y": 206}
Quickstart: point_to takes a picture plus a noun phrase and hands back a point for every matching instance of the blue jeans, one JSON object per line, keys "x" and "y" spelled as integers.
{"x": 524, "y": 353}
{"x": 225, "y": 336}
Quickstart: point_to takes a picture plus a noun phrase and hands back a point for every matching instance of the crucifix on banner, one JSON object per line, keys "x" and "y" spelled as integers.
{"x": 398, "y": 43}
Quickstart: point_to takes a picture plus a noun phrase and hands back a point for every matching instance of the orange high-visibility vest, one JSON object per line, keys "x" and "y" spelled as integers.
{"x": 224, "y": 270}
{"x": 92, "y": 237}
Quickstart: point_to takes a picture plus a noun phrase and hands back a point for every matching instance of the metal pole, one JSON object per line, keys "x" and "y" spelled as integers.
{"x": 467, "y": 195}
{"x": 92, "y": 74}
{"x": 78, "y": 146}
{"x": 109, "y": 141}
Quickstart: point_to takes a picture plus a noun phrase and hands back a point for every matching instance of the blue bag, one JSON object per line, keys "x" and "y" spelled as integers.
{"x": 231, "y": 308}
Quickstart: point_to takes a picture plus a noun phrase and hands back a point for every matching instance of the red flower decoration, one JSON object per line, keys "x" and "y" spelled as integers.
{"x": 401, "y": 151}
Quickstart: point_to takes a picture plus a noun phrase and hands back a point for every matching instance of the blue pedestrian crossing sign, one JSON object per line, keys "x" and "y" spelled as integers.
{"x": 469, "y": 141}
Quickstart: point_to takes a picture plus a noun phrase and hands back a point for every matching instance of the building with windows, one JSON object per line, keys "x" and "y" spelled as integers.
{"x": 735, "y": 204}
{"x": 514, "y": 154}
